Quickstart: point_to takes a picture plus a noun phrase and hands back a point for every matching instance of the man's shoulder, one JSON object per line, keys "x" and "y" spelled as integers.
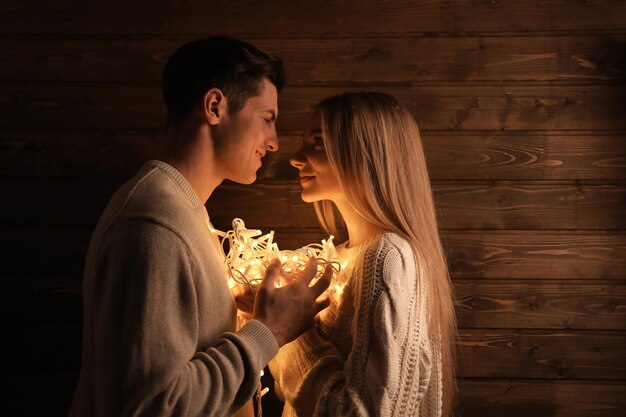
{"x": 152, "y": 196}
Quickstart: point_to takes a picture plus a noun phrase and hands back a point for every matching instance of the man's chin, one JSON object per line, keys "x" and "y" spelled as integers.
{"x": 244, "y": 180}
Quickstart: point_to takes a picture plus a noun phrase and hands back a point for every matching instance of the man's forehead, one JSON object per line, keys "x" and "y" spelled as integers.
{"x": 268, "y": 98}
{"x": 267, "y": 101}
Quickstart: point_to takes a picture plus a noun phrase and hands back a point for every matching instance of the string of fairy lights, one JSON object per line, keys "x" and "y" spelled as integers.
{"x": 251, "y": 251}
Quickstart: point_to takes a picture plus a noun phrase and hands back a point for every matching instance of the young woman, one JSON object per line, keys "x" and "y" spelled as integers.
{"x": 384, "y": 347}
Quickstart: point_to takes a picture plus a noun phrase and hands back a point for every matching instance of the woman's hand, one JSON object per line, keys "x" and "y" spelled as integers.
{"x": 244, "y": 297}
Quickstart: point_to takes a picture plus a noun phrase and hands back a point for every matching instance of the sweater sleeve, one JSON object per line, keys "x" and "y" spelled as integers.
{"x": 146, "y": 337}
{"x": 381, "y": 374}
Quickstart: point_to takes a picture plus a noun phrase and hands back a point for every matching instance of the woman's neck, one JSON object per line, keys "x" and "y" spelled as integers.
{"x": 359, "y": 228}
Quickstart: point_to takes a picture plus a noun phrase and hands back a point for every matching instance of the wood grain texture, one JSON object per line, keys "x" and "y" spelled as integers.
{"x": 541, "y": 304}
{"x": 453, "y": 155}
{"x": 86, "y": 154}
{"x": 486, "y": 304}
{"x": 471, "y": 254}
{"x": 450, "y": 155}
{"x": 524, "y": 156}
{"x": 307, "y": 17}
{"x": 277, "y": 204}
{"x": 509, "y": 353}
{"x": 535, "y": 254}
{"x": 506, "y": 205}
{"x": 436, "y": 107}
{"x": 476, "y": 205}
{"x": 482, "y": 353}
{"x": 338, "y": 60}
{"x": 519, "y": 398}
{"x": 520, "y": 106}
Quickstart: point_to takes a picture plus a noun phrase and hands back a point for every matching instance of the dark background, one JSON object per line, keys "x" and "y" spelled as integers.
{"x": 521, "y": 105}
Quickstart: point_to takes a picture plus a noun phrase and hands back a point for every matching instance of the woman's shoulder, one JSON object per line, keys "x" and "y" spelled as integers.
{"x": 398, "y": 243}
{"x": 390, "y": 258}
{"x": 388, "y": 246}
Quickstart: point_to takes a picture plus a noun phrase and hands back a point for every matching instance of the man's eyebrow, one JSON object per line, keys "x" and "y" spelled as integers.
{"x": 272, "y": 112}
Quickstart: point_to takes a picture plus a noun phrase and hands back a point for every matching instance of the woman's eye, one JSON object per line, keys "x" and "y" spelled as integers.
{"x": 318, "y": 141}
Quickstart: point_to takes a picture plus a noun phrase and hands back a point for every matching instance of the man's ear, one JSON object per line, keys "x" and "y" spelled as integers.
{"x": 215, "y": 105}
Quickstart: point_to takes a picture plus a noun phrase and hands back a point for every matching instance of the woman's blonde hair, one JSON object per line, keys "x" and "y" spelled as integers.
{"x": 373, "y": 145}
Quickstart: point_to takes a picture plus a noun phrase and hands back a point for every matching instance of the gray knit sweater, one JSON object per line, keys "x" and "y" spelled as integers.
{"x": 159, "y": 318}
{"x": 371, "y": 354}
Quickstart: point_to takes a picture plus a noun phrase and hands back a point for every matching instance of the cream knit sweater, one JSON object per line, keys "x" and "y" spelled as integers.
{"x": 159, "y": 319}
{"x": 371, "y": 354}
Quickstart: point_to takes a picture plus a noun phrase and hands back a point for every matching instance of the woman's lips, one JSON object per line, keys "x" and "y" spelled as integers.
{"x": 306, "y": 178}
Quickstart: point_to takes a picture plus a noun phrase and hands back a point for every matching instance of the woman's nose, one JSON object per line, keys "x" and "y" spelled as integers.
{"x": 296, "y": 160}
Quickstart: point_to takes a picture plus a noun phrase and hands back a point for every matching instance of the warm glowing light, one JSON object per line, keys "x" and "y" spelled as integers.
{"x": 338, "y": 289}
{"x": 251, "y": 252}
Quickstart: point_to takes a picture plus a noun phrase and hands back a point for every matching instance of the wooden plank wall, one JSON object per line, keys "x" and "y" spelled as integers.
{"x": 521, "y": 105}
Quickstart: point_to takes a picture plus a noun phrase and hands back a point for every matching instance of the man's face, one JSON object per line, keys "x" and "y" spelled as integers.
{"x": 243, "y": 138}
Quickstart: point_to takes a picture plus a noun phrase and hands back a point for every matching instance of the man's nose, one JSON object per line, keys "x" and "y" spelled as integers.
{"x": 271, "y": 143}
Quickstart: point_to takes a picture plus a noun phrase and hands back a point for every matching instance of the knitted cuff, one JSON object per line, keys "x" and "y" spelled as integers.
{"x": 260, "y": 340}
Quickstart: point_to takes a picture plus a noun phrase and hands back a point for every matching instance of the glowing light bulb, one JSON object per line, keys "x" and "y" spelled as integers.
{"x": 338, "y": 289}
{"x": 250, "y": 250}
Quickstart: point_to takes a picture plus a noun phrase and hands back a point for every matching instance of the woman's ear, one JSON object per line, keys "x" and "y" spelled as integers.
{"x": 215, "y": 105}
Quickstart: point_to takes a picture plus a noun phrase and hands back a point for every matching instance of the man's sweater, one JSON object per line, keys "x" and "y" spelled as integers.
{"x": 159, "y": 318}
{"x": 372, "y": 353}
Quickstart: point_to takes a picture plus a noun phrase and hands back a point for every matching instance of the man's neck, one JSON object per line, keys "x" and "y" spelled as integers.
{"x": 190, "y": 151}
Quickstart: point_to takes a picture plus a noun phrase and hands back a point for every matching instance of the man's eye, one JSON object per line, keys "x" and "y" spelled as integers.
{"x": 268, "y": 121}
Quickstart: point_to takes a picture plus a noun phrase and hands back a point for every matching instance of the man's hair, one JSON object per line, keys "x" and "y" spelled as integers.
{"x": 234, "y": 66}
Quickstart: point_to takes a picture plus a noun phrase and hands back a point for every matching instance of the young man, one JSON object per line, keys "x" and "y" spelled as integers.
{"x": 160, "y": 333}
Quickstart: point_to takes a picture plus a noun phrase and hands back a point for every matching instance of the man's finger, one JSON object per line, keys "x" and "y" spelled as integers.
{"x": 309, "y": 272}
{"x": 324, "y": 282}
{"x": 271, "y": 275}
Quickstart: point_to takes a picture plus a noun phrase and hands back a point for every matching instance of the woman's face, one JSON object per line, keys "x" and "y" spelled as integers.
{"x": 317, "y": 178}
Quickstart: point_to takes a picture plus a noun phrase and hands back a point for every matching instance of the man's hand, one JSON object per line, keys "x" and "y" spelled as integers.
{"x": 289, "y": 311}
